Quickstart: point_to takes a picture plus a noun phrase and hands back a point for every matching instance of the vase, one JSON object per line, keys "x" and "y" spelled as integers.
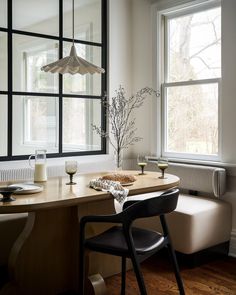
{"x": 118, "y": 157}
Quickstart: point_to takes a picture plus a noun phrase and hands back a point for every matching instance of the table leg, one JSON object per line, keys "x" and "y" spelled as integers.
{"x": 44, "y": 259}
{"x": 96, "y": 285}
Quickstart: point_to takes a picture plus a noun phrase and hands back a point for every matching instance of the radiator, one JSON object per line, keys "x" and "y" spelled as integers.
{"x": 28, "y": 173}
{"x": 53, "y": 171}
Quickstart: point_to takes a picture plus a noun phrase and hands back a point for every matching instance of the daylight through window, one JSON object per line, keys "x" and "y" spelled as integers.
{"x": 192, "y": 83}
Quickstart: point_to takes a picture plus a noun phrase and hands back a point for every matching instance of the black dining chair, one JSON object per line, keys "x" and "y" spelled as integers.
{"x": 131, "y": 242}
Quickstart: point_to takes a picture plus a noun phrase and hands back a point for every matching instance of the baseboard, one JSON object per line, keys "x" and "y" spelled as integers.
{"x": 232, "y": 248}
{"x": 204, "y": 256}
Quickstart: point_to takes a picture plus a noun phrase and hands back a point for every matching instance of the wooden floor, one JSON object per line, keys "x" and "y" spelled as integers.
{"x": 216, "y": 278}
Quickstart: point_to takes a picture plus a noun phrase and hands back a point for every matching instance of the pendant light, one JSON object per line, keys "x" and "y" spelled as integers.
{"x": 72, "y": 64}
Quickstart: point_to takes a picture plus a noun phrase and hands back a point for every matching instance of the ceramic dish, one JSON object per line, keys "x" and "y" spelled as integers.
{"x": 27, "y": 188}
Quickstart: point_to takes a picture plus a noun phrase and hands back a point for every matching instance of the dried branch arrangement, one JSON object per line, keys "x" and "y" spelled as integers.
{"x": 119, "y": 110}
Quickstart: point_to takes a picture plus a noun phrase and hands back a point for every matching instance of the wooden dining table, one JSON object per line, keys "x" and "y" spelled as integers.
{"x": 44, "y": 258}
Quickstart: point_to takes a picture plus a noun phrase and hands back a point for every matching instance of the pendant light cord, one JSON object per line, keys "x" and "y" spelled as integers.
{"x": 73, "y": 20}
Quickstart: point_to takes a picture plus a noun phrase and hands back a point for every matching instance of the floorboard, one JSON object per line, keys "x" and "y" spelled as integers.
{"x": 216, "y": 278}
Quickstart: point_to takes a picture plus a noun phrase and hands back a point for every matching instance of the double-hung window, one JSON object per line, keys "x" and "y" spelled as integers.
{"x": 191, "y": 83}
{"x": 41, "y": 110}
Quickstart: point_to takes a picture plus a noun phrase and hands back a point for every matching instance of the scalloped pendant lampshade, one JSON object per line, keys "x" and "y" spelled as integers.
{"x": 72, "y": 64}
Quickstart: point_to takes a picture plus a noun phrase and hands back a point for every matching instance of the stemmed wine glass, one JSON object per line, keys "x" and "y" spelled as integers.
{"x": 162, "y": 164}
{"x": 142, "y": 162}
{"x": 71, "y": 169}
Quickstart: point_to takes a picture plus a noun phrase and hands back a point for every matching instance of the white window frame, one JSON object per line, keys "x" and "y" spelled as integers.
{"x": 162, "y": 18}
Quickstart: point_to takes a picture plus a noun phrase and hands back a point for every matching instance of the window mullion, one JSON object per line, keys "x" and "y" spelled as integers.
{"x": 60, "y": 129}
{"x": 104, "y": 65}
{"x": 10, "y": 109}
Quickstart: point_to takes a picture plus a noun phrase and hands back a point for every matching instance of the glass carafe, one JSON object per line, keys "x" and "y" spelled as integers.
{"x": 40, "y": 168}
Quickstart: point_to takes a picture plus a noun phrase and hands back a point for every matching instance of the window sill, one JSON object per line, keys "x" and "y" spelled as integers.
{"x": 195, "y": 162}
{"x": 57, "y": 161}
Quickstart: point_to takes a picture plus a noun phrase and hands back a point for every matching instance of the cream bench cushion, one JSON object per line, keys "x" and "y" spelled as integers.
{"x": 199, "y": 223}
{"x": 196, "y": 224}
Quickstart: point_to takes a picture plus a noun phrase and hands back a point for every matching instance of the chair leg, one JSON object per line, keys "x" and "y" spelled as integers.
{"x": 172, "y": 255}
{"x": 138, "y": 274}
{"x": 123, "y": 275}
{"x": 81, "y": 270}
{"x": 176, "y": 268}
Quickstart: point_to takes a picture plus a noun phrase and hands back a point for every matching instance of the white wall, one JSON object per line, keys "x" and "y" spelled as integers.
{"x": 130, "y": 62}
{"x": 120, "y": 47}
{"x": 229, "y": 102}
{"x": 229, "y": 80}
{"x": 142, "y": 75}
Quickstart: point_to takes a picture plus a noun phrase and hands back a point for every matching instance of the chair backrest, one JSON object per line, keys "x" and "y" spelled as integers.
{"x": 156, "y": 206}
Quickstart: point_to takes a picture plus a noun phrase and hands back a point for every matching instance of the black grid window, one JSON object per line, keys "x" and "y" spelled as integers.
{"x": 41, "y": 110}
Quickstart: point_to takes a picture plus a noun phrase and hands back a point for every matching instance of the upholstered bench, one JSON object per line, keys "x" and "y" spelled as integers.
{"x": 202, "y": 219}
